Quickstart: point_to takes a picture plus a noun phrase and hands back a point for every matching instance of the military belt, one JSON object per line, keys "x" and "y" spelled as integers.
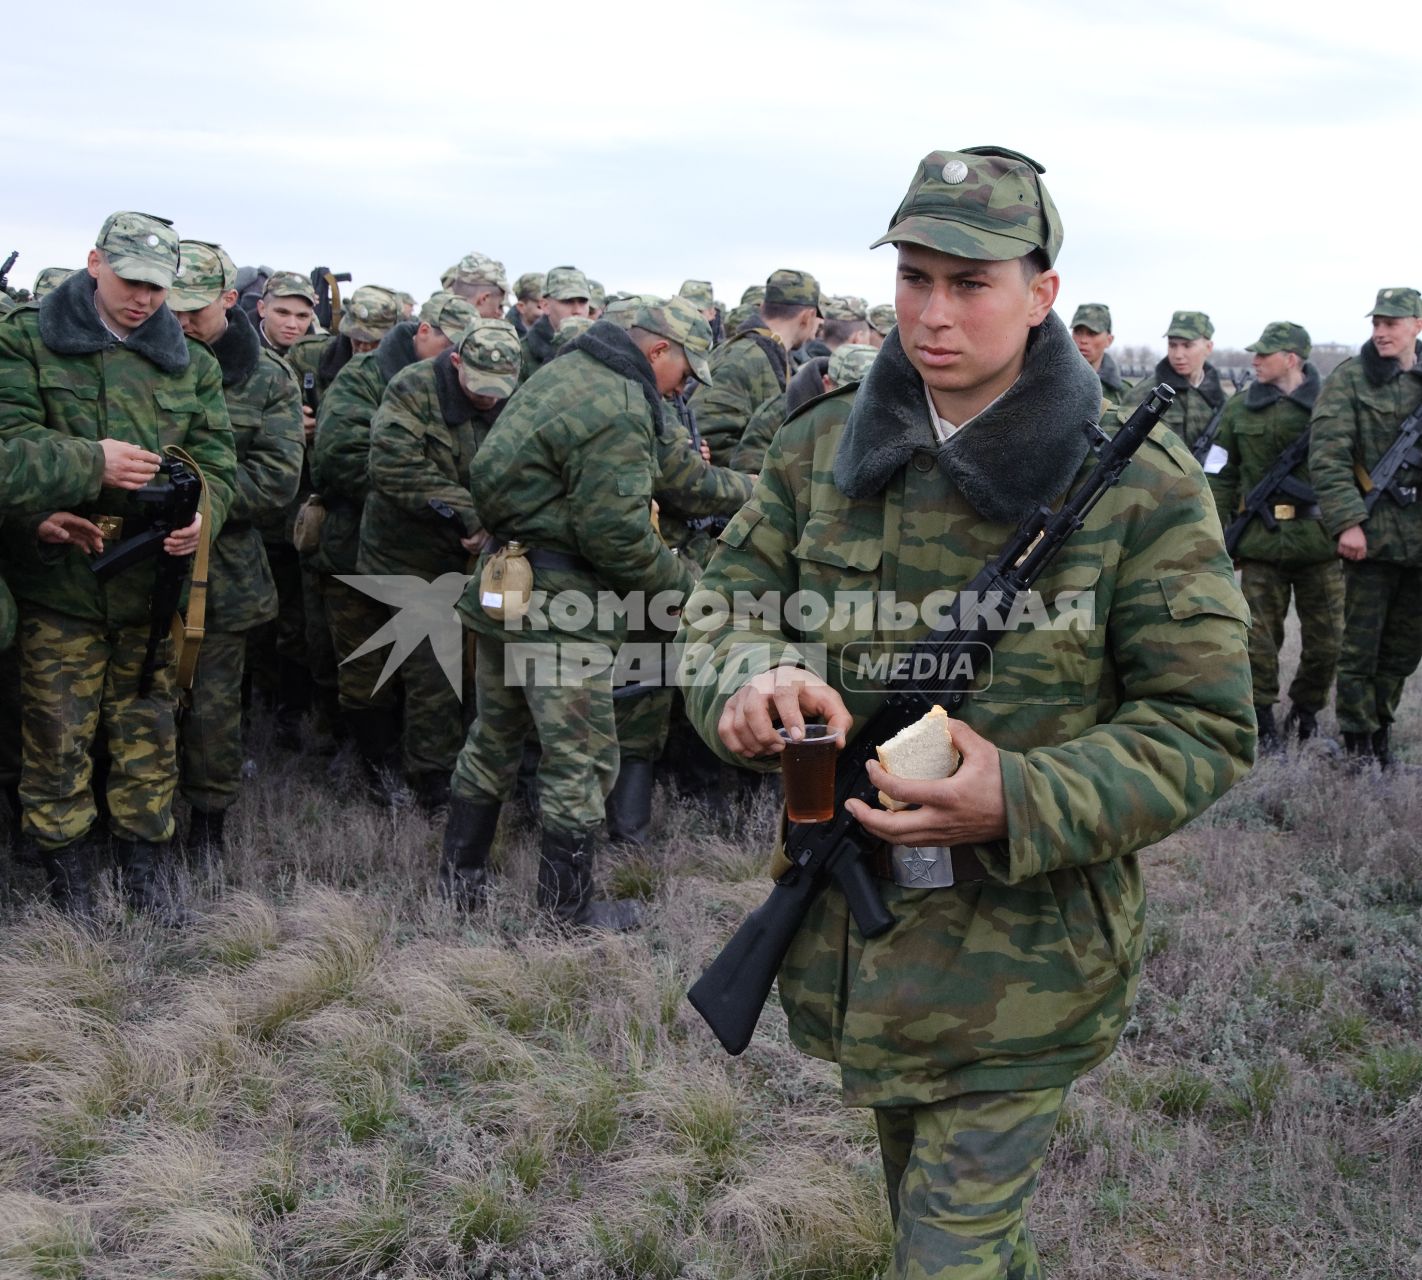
{"x": 1296, "y": 511}
{"x": 558, "y": 561}
{"x": 928, "y": 866}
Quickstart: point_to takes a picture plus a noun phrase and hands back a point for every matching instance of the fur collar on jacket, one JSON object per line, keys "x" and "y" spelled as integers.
{"x": 612, "y": 345}
{"x": 238, "y": 349}
{"x": 1380, "y": 370}
{"x": 397, "y": 349}
{"x": 69, "y": 325}
{"x": 1020, "y": 452}
{"x": 1261, "y": 395}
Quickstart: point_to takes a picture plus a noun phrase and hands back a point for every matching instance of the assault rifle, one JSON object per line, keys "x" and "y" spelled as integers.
{"x": 1279, "y": 479}
{"x": 736, "y": 984}
{"x": 1206, "y": 439}
{"x": 5, "y": 269}
{"x": 327, "y": 284}
{"x": 166, "y": 507}
{"x": 698, "y": 524}
{"x": 1403, "y": 452}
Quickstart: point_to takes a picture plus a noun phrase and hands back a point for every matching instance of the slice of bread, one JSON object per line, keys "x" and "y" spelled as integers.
{"x": 924, "y": 750}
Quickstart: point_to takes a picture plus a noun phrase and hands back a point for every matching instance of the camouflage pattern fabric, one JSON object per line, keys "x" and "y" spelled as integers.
{"x": 140, "y": 246}
{"x": 1382, "y": 642}
{"x": 210, "y": 732}
{"x": 1359, "y": 410}
{"x": 1190, "y": 325}
{"x": 9, "y": 717}
{"x": 352, "y": 617}
{"x": 1192, "y": 408}
{"x": 792, "y": 288}
{"x": 77, "y": 677}
{"x": 1317, "y": 590}
{"x": 749, "y": 453}
{"x": 688, "y": 487}
{"x": 49, "y": 280}
{"x": 573, "y": 722}
{"x": 1397, "y": 302}
{"x": 742, "y": 378}
{"x": 1111, "y": 734}
{"x": 1258, "y": 425}
{"x": 960, "y": 1176}
{"x": 370, "y": 313}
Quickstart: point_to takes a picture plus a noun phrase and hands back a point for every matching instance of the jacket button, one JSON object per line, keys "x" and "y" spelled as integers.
{"x": 923, "y": 462}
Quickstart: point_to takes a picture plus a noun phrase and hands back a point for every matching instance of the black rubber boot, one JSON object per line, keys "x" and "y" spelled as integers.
{"x": 293, "y": 699}
{"x": 1304, "y": 724}
{"x": 71, "y": 870}
{"x": 145, "y": 876}
{"x": 468, "y": 840}
{"x": 431, "y": 790}
{"x": 1381, "y": 744}
{"x": 206, "y": 841}
{"x": 376, "y": 733}
{"x": 565, "y": 885}
{"x": 1268, "y": 731}
{"x": 1358, "y": 747}
{"x": 629, "y": 806}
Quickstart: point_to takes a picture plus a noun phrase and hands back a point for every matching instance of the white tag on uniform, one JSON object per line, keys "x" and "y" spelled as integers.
{"x": 1215, "y": 460}
{"x": 492, "y": 600}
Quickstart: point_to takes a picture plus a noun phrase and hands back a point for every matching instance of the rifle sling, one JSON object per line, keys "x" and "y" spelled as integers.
{"x": 188, "y": 634}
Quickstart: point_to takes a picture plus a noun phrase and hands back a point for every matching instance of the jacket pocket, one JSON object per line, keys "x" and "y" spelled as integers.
{"x": 176, "y": 411}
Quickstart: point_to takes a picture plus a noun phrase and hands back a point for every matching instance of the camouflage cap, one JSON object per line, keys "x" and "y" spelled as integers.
{"x": 571, "y": 328}
{"x": 1190, "y": 324}
{"x": 699, "y": 293}
{"x": 680, "y": 321}
{"x": 1397, "y": 302}
{"x": 205, "y": 272}
{"x": 140, "y": 246}
{"x": 370, "y": 313}
{"x": 529, "y": 285}
{"x": 448, "y": 313}
{"x": 489, "y": 358}
{"x": 883, "y": 318}
{"x": 290, "y": 284}
{"x": 753, "y": 296}
{"x": 851, "y": 362}
{"x": 623, "y": 309}
{"x": 406, "y": 300}
{"x": 844, "y": 307}
{"x": 793, "y": 288}
{"x": 565, "y": 283}
{"x": 476, "y": 268}
{"x": 1283, "y": 335}
{"x": 986, "y": 203}
{"x": 49, "y": 280}
{"x": 1095, "y": 316}
{"x": 598, "y": 296}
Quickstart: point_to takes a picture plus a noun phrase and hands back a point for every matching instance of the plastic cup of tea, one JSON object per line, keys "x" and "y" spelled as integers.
{"x": 807, "y": 772}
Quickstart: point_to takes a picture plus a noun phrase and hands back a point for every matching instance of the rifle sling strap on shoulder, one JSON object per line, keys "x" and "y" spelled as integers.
{"x": 188, "y": 633}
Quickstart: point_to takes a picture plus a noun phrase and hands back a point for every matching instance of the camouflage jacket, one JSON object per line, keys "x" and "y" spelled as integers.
{"x": 689, "y": 490}
{"x": 341, "y": 452}
{"x": 423, "y": 439}
{"x": 1259, "y": 424}
{"x": 538, "y": 347}
{"x": 1113, "y": 731}
{"x": 749, "y": 453}
{"x": 323, "y": 356}
{"x": 1193, "y": 408}
{"x": 62, "y": 372}
{"x": 570, "y": 467}
{"x": 1114, "y": 388}
{"x": 743, "y": 376}
{"x": 1359, "y": 410}
{"x": 264, "y": 405}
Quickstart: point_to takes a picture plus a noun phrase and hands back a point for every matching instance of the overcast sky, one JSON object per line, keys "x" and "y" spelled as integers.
{"x": 1258, "y": 162}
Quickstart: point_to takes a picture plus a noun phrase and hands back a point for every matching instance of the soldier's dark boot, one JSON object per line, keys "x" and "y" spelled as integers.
{"x": 206, "y": 840}
{"x": 526, "y": 786}
{"x": 71, "y": 870}
{"x": 1304, "y": 724}
{"x": 1358, "y": 747}
{"x": 565, "y": 885}
{"x": 1268, "y": 731}
{"x": 376, "y": 734}
{"x": 468, "y": 840}
{"x": 431, "y": 790}
{"x": 1381, "y": 744}
{"x": 145, "y": 876}
{"x": 293, "y": 698}
{"x": 629, "y": 805}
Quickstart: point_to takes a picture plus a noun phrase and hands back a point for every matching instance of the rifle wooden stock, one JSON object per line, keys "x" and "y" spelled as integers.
{"x": 733, "y": 990}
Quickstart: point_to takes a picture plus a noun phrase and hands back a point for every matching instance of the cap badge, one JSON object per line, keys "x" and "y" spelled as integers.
{"x": 954, "y": 172}
{"x": 152, "y": 241}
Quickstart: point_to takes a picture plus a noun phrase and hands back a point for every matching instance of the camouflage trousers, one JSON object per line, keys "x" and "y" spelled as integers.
{"x": 1382, "y": 642}
{"x": 210, "y": 732}
{"x": 433, "y": 729}
{"x": 299, "y": 631}
{"x": 9, "y": 716}
{"x": 960, "y": 1175}
{"x": 572, "y": 717}
{"x": 78, "y": 676}
{"x": 1317, "y": 591}
{"x": 352, "y": 617}
{"x": 644, "y": 721}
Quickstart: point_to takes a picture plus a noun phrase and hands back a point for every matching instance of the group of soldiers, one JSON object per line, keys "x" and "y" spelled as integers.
{"x": 331, "y": 460}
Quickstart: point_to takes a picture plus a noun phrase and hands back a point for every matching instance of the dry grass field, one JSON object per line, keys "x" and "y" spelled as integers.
{"x": 332, "y": 1076}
